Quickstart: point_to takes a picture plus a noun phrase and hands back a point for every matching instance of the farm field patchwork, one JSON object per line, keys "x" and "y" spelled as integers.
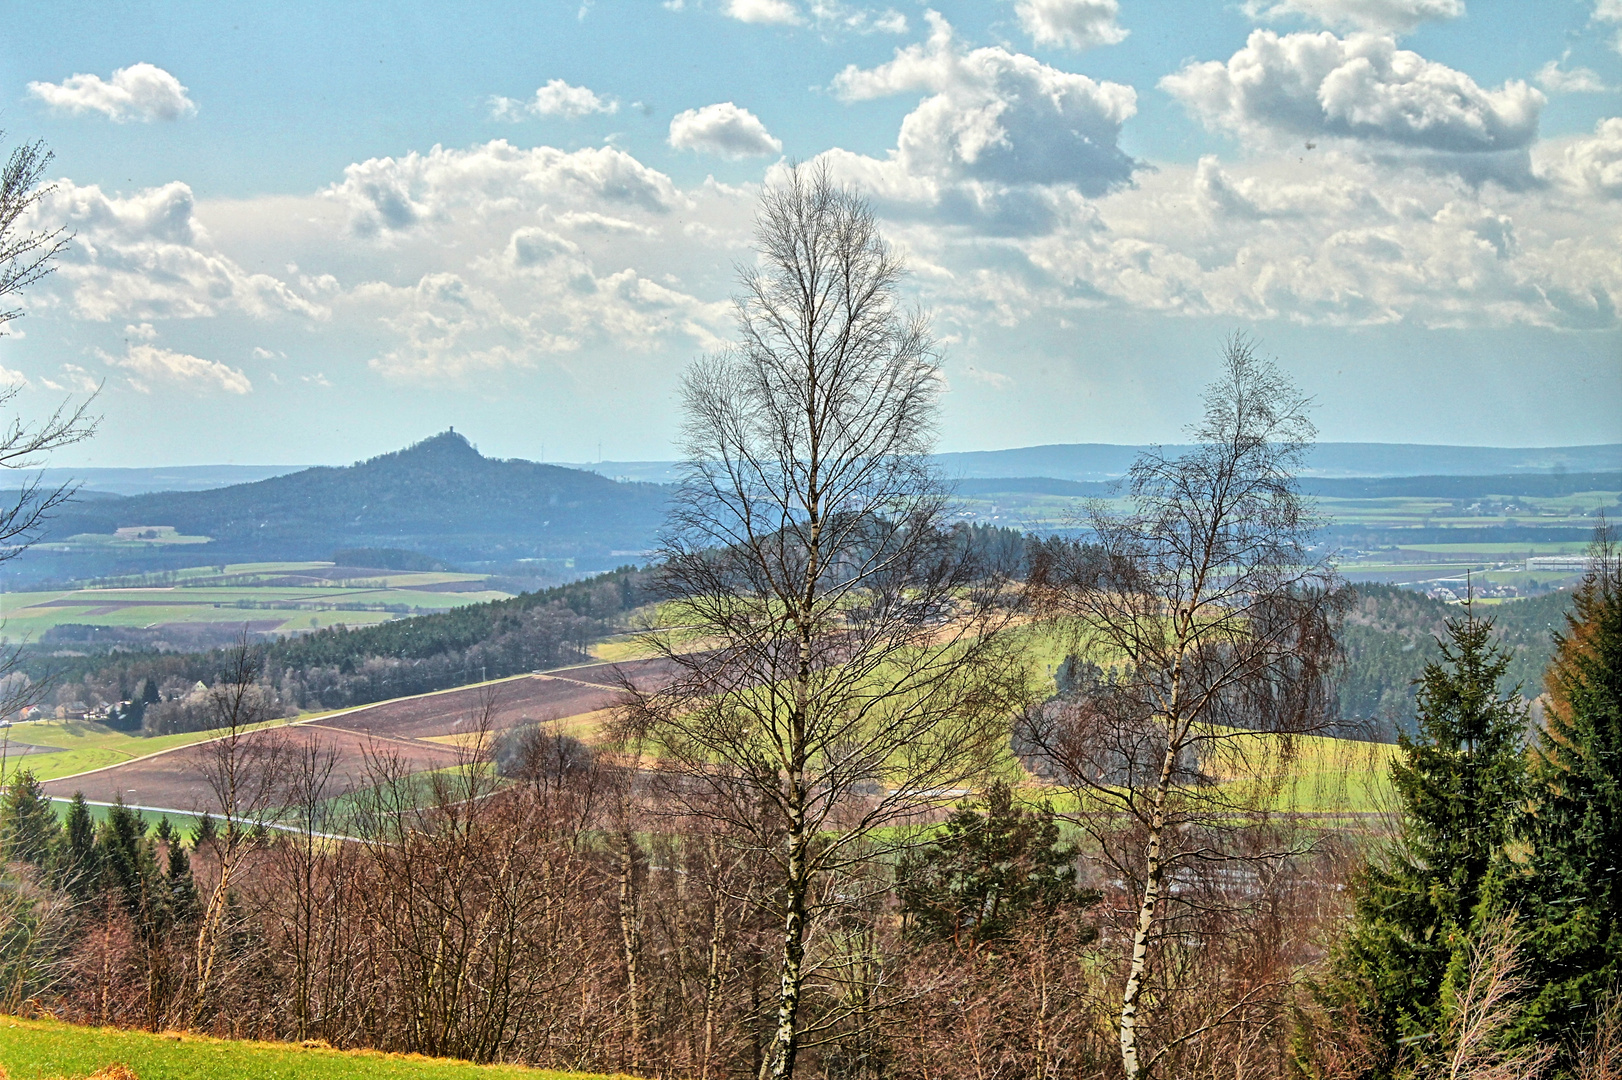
{"x": 64, "y": 747}
{"x": 1041, "y": 511}
{"x": 264, "y": 597}
{"x": 433, "y": 731}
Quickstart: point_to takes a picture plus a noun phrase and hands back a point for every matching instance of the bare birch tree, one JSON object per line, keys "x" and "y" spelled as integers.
{"x": 1217, "y": 623}
{"x": 311, "y": 872}
{"x": 245, "y": 769}
{"x": 841, "y": 665}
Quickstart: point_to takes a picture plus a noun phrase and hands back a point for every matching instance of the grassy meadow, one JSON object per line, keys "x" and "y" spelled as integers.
{"x": 84, "y": 745}
{"x": 39, "y": 1049}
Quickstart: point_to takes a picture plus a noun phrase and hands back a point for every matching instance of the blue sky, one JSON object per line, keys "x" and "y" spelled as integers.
{"x": 310, "y": 233}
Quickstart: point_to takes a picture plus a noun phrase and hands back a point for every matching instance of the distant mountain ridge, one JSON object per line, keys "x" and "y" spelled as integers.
{"x": 1092, "y": 462}
{"x": 440, "y": 497}
{"x": 144, "y": 480}
{"x": 1545, "y": 485}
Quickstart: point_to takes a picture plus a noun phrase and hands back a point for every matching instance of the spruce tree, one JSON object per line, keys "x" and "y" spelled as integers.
{"x": 992, "y": 864}
{"x": 28, "y": 825}
{"x": 1565, "y": 876}
{"x": 1457, "y": 783}
{"x": 75, "y": 864}
{"x": 128, "y": 858}
{"x": 127, "y": 863}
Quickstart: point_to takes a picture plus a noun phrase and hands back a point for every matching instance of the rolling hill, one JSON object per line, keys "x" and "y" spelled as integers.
{"x": 440, "y": 497}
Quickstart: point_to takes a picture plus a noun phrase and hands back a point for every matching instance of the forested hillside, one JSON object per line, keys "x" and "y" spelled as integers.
{"x": 440, "y": 497}
{"x": 1391, "y": 633}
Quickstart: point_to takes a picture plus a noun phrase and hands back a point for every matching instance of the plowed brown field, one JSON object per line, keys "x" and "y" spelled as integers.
{"x": 173, "y": 780}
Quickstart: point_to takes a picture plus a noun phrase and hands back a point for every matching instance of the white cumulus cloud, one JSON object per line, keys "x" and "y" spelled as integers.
{"x": 556, "y": 98}
{"x": 1563, "y": 80}
{"x": 153, "y": 363}
{"x": 395, "y": 195}
{"x": 764, "y": 11}
{"x": 999, "y": 117}
{"x": 725, "y": 129}
{"x": 1074, "y": 24}
{"x": 1365, "y": 90}
{"x": 1334, "y": 240}
{"x": 138, "y": 92}
{"x": 74, "y": 380}
{"x": 1398, "y": 16}
{"x": 145, "y": 256}
{"x": 1590, "y": 165}
{"x": 828, "y": 16}
{"x": 1609, "y": 11}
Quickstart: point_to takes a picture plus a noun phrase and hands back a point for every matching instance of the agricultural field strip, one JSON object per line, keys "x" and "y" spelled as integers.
{"x": 331, "y": 721}
{"x": 328, "y": 721}
{"x": 209, "y": 594}
{"x": 1384, "y": 512}
{"x": 402, "y": 740}
{"x": 175, "y": 596}
{"x": 315, "y": 718}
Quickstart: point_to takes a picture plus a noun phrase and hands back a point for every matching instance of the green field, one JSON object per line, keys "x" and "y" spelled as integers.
{"x": 37, "y": 1049}
{"x": 268, "y": 597}
{"x": 87, "y": 745}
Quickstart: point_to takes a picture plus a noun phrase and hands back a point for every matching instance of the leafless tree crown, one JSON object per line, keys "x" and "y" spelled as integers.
{"x": 834, "y": 646}
{"x": 1210, "y": 626}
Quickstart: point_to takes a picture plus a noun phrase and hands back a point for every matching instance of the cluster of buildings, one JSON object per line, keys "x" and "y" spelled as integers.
{"x": 73, "y": 710}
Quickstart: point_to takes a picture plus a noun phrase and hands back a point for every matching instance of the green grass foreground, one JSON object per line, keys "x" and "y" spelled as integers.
{"x": 39, "y": 1049}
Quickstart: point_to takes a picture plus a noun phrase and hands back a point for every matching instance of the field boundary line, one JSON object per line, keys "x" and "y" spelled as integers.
{"x": 195, "y": 813}
{"x": 402, "y": 740}
{"x": 300, "y": 722}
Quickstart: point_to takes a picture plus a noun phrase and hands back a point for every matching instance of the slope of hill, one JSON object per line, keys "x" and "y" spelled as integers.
{"x": 50, "y": 1048}
{"x": 439, "y": 497}
{"x": 1391, "y": 634}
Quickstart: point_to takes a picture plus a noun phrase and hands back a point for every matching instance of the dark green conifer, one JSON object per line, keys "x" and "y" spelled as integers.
{"x": 1457, "y": 784}
{"x": 28, "y": 825}
{"x": 76, "y": 866}
{"x": 183, "y": 901}
{"x": 128, "y": 859}
{"x": 1564, "y": 877}
{"x": 120, "y": 854}
{"x": 991, "y": 865}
